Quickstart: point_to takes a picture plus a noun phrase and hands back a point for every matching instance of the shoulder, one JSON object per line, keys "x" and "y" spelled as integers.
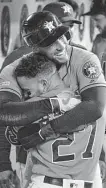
{"x": 7, "y": 78}
{"x": 8, "y": 81}
{"x": 82, "y": 57}
{"x": 9, "y": 68}
{"x": 81, "y": 53}
{"x": 77, "y": 45}
{"x": 16, "y": 54}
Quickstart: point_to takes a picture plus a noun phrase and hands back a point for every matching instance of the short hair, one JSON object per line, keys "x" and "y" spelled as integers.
{"x": 33, "y": 65}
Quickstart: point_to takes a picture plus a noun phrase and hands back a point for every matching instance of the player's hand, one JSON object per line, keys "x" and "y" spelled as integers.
{"x": 30, "y": 136}
{"x": 102, "y": 170}
{"x": 34, "y": 135}
{"x": 7, "y": 179}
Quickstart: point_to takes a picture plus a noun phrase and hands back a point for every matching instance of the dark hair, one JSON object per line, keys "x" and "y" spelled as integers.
{"x": 33, "y": 64}
{"x": 72, "y": 3}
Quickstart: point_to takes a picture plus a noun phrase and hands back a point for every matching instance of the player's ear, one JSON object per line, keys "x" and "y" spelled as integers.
{"x": 44, "y": 85}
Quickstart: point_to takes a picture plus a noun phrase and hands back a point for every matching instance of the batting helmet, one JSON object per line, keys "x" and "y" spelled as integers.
{"x": 63, "y": 11}
{"x": 42, "y": 29}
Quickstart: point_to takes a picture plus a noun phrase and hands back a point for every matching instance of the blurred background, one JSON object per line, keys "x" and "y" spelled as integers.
{"x": 13, "y": 12}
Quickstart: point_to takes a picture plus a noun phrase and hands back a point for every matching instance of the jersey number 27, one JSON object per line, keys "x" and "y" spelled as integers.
{"x": 85, "y": 154}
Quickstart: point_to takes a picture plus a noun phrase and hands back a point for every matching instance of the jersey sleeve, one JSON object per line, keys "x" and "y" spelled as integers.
{"x": 8, "y": 81}
{"x": 89, "y": 73}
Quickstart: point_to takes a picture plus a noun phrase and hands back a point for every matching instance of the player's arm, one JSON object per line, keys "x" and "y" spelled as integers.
{"x": 18, "y": 113}
{"x": 5, "y": 146}
{"x": 93, "y": 95}
{"x": 90, "y": 109}
{"x": 13, "y": 112}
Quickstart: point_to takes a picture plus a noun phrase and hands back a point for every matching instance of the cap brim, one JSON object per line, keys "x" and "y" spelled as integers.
{"x": 77, "y": 21}
{"x": 61, "y": 30}
{"x": 70, "y": 19}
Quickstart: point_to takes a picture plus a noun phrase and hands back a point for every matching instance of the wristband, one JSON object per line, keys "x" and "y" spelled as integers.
{"x": 40, "y": 134}
{"x": 67, "y": 104}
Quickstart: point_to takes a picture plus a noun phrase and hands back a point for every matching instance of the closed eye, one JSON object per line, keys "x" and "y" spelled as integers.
{"x": 26, "y": 94}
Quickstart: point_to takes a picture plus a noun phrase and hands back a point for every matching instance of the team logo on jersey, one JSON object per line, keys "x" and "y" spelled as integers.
{"x": 91, "y": 70}
{"x": 49, "y": 26}
{"x": 11, "y": 135}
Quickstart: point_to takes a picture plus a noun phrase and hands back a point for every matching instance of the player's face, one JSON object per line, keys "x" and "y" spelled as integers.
{"x": 100, "y": 22}
{"x": 30, "y": 86}
{"x": 57, "y": 51}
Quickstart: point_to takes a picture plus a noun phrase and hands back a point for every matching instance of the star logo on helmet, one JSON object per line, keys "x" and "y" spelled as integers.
{"x": 66, "y": 8}
{"x": 49, "y": 26}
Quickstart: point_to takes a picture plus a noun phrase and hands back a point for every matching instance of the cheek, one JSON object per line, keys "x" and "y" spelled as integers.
{"x": 50, "y": 51}
{"x": 47, "y": 51}
{"x": 35, "y": 93}
{"x": 39, "y": 89}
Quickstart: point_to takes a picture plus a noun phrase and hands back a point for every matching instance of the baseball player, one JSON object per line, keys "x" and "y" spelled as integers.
{"x": 58, "y": 159}
{"x": 78, "y": 68}
{"x": 16, "y": 54}
{"x": 65, "y": 14}
{"x": 59, "y": 13}
{"x": 98, "y": 13}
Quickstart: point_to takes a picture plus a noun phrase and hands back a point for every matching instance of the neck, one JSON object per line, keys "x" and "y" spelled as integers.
{"x": 56, "y": 84}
